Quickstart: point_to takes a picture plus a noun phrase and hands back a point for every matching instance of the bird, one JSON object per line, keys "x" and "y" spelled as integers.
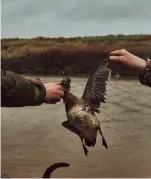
{"x": 81, "y": 112}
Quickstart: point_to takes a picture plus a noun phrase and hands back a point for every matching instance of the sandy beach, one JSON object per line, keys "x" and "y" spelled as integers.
{"x": 33, "y": 138}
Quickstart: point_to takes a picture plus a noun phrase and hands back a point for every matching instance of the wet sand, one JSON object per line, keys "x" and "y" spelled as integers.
{"x": 33, "y": 138}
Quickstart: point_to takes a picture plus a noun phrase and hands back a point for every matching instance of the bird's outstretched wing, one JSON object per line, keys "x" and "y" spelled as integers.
{"x": 96, "y": 88}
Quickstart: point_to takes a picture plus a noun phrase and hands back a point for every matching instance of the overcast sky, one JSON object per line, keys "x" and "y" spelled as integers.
{"x": 31, "y": 18}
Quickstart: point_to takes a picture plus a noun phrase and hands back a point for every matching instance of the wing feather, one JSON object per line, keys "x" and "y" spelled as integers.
{"x": 96, "y": 88}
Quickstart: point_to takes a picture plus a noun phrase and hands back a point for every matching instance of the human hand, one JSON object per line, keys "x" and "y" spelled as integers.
{"x": 126, "y": 58}
{"x": 54, "y": 93}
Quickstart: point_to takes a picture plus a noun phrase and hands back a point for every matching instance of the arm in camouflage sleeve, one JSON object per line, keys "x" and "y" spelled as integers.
{"x": 16, "y": 91}
{"x": 145, "y": 76}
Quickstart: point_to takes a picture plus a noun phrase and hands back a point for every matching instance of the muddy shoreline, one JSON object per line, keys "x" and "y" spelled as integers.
{"x": 32, "y": 137}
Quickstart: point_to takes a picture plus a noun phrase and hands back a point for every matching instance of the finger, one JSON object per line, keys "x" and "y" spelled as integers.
{"x": 55, "y": 97}
{"x": 53, "y": 101}
{"x": 60, "y": 87}
{"x": 59, "y": 93}
{"x": 117, "y": 58}
{"x": 50, "y": 102}
{"x": 57, "y": 100}
{"x": 118, "y": 52}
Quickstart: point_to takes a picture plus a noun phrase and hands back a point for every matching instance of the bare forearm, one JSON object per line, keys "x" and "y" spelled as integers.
{"x": 128, "y": 59}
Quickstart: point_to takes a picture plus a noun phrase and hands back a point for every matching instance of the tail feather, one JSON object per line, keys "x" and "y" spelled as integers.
{"x": 90, "y": 143}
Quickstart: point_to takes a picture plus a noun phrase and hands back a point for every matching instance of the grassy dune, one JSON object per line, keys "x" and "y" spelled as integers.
{"x": 71, "y": 56}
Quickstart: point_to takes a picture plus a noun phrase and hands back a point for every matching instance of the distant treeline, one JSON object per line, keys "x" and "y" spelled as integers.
{"x": 69, "y": 56}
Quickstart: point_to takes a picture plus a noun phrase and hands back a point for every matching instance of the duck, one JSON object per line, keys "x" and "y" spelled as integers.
{"x": 81, "y": 112}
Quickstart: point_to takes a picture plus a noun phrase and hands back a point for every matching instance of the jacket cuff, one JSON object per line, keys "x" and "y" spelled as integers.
{"x": 144, "y": 76}
{"x": 39, "y": 92}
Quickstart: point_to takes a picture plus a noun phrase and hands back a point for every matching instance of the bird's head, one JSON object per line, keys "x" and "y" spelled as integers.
{"x": 66, "y": 83}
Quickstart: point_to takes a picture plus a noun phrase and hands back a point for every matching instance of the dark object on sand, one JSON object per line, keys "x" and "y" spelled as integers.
{"x": 48, "y": 171}
{"x": 51, "y": 168}
{"x": 81, "y": 112}
{"x": 5, "y": 175}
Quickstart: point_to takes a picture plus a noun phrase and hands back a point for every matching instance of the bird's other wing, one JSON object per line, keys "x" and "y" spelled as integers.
{"x": 96, "y": 87}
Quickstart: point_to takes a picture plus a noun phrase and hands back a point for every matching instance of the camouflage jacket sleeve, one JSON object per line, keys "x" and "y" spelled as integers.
{"x": 145, "y": 76}
{"x": 16, "y": 91}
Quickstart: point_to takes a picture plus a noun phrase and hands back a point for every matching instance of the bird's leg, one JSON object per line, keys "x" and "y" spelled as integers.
{"x": 103, "y": 139}
{"x": 67, "y": 125}
{"x": 84, "y": 147}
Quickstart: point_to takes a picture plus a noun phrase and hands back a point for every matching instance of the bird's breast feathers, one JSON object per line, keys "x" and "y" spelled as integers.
{"x": 80, "y": 116}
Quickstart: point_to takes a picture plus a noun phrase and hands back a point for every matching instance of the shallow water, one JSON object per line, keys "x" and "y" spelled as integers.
{"x": 33, "y": 138}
